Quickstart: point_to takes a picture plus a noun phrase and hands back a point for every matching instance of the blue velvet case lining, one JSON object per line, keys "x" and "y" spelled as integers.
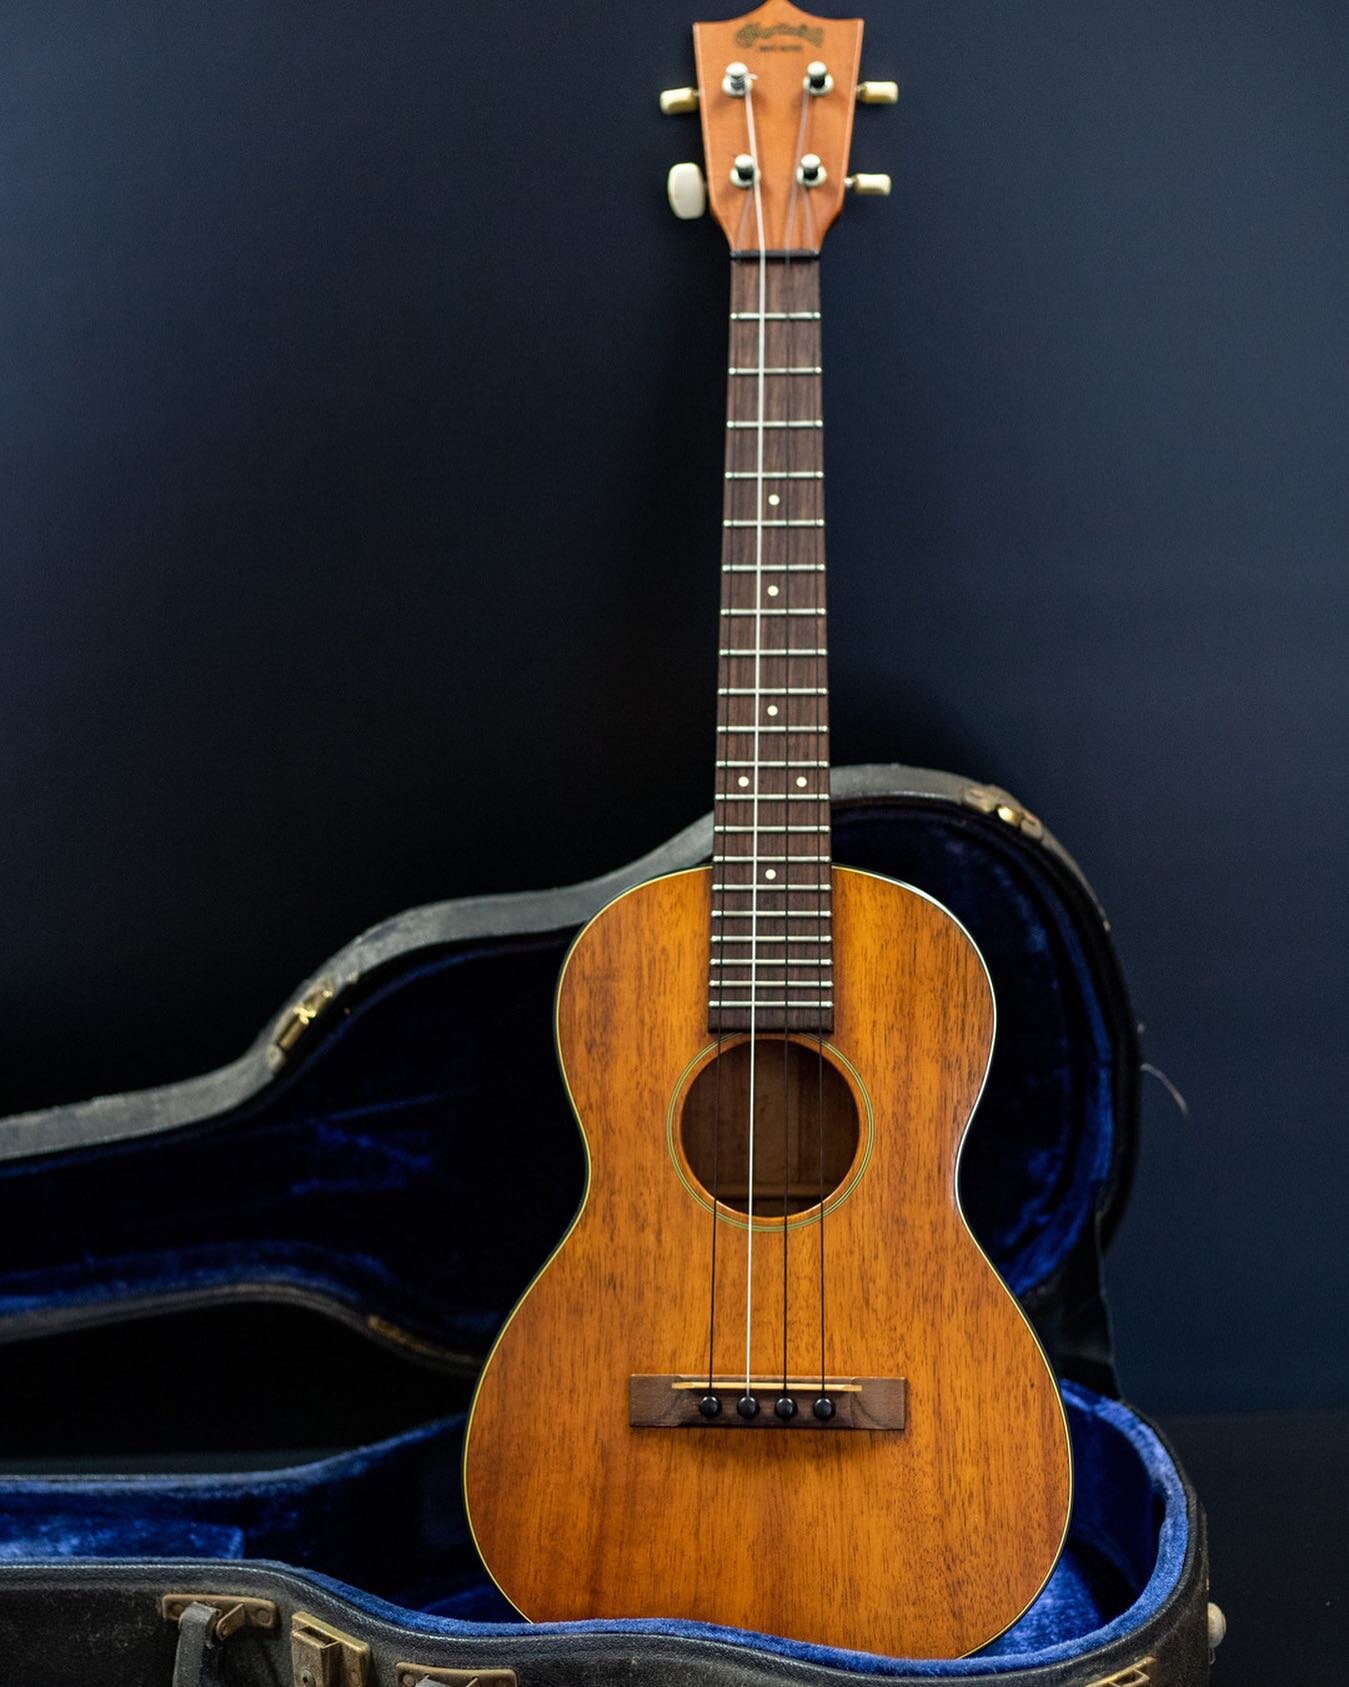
{"x": 366, "y": 1162}
{"x": 385, "y": 1526}
{"x": 422, "y": 1094}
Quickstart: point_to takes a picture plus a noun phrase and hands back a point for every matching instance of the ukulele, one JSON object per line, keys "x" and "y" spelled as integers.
{"x": 769, "y": 1379}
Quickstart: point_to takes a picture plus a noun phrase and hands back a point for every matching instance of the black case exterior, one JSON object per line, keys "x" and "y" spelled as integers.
{"x": 101, "y": 1626}
{"x": 85, "y": 1622}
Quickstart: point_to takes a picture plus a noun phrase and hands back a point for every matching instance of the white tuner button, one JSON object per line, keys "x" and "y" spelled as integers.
{"x": 864, "y": 185}
{"x": 687, "y": 190}
{"x": 675, "y": 101}
{"x": 878, "y": 93}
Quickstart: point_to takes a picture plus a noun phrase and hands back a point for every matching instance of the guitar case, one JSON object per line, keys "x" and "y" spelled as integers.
{"x": 396, "y": 1152}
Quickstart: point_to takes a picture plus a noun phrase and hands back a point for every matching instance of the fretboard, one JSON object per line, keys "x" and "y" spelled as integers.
{"x": 772, "y": 945}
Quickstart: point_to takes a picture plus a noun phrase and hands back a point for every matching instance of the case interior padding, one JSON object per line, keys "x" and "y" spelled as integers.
{"x": 359, "y": 1175}
{"x": 415, "y": 1162}
{"x": 384, "y": 1525}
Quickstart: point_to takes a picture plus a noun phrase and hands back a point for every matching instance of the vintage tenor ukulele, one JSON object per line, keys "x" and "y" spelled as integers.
{"x": 769, "y": 1379}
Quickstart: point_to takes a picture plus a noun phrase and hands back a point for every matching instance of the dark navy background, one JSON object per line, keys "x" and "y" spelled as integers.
{"x": 360, "y": 411}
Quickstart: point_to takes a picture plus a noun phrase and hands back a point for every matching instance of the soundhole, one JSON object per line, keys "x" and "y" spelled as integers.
{"x": 806, "y": 1127}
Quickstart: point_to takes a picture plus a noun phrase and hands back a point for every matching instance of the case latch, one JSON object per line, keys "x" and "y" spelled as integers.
{"x": 1134, "y": 1675}
{"x": 205, "y": 1622}
{"x": 297, "y": 1019}
{"x": 322, "y": 1656}
{"x": 233, "y": 1611}
{"x": 988, "y": 799}
{"x": 413, "y": 1675}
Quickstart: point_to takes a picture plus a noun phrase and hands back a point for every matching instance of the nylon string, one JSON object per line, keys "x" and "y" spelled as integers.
{"x": 794, "y": 198}
{"x": 756, "y": 697}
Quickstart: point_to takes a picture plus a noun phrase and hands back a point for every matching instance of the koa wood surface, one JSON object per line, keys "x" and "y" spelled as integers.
{"x": 923, "y": 1541}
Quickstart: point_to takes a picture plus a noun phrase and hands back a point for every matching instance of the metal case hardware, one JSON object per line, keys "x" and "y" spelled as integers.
{"x": 412, "y": 1675}
{"x": 1134, "y": 1675}
{"x": 233, "y": 1611}
{"x": 988, "y": 799}
{"x": 322, "y": 1656}
{"x": 298, "y": 1017}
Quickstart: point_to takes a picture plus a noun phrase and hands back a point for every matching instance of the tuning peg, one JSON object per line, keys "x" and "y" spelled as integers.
{"x": 675, "y": 101}
{"x": 878, "y": 93}
{"x": 687, "y": 190}
{"x": 865, "y": 185}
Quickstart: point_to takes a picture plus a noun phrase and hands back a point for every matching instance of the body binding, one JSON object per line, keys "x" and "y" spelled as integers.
{"x": 921, "y": 1542}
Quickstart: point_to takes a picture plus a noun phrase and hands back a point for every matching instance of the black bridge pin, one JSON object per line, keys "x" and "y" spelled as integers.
{"x": 710, "y": 1406}
{"x": 823, "y": 1408}
{"x": 747, "y": 1406}
{"x": 784, "y": 1407}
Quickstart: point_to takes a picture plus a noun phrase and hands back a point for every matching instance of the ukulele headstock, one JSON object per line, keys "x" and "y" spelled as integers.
{"x": 776, "y": 91}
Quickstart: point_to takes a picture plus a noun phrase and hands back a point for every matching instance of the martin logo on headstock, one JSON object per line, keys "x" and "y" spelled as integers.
{"x": 756, "y": 35}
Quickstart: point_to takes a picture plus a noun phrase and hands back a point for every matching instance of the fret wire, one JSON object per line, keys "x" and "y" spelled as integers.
{"x": 806, "y": 937}
{"x": 784, "y": 960}
{"x": 815, "y": 858}
{"x": 761, "y": 1006}
{"x": 781, "y": 914}
{"x": 791, "y": 413}
{"x": 773, "y": 888}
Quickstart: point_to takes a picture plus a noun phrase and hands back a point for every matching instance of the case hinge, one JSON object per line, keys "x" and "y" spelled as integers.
{"x": 988, "y": 799}
{"x": 233, "y": 1611}
{"x": 322, "y": 1656}
{"x": 413, "y": 1675}
{"x": 297, "y": 1019}
{"x": 1134, "y": 1675}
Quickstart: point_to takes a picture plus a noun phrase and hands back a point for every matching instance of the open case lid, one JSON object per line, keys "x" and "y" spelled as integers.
{"x": 397, "y": 1148}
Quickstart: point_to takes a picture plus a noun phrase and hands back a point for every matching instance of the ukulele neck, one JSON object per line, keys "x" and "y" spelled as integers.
{"x": 772, "y": 944}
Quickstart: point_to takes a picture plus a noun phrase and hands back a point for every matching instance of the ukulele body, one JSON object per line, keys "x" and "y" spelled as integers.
{"x": 923, "y": 1541}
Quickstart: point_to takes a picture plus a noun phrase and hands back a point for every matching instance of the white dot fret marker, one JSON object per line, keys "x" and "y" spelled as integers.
{"x": 772, "y": 708}
{"x": 772, "y": 591}
{"x": 801, "y": 782}
{"x": 774, "y": 500}
{"x": 742, "y": 781}
{"x": 770, "y": 872}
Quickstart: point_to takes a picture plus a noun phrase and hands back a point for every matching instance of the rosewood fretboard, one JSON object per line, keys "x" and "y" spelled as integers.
{"x": 772, "y": 945}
